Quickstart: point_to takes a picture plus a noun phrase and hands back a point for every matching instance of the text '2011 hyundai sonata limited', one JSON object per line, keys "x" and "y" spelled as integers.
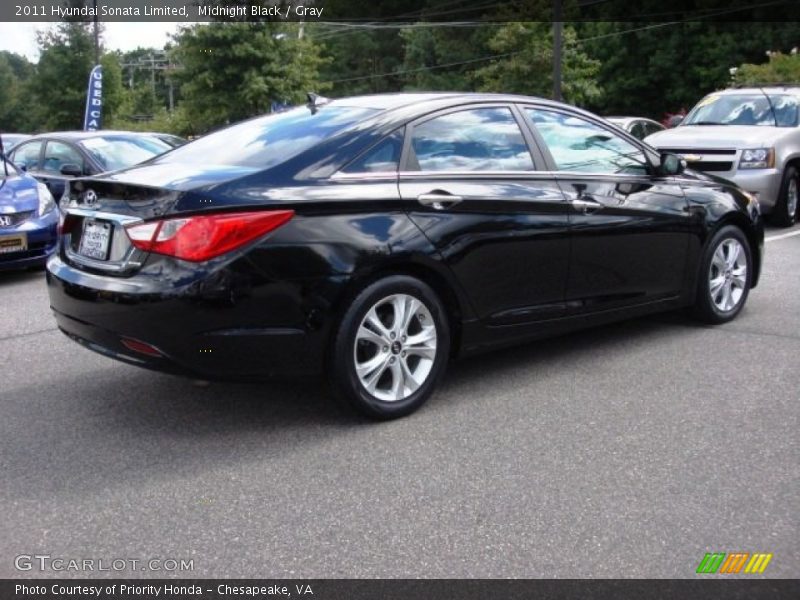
{"x": 374, "y": 238}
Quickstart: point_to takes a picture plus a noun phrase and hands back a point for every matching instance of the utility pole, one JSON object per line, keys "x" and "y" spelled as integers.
{"x": 558, "y": 27}
{"x": 96, "y": 36}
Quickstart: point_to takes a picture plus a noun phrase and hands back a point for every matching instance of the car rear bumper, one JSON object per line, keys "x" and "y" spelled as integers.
{"x": 181, "y": 329}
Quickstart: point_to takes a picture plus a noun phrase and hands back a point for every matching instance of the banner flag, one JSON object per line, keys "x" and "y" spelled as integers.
{"x": 93, "y": 117}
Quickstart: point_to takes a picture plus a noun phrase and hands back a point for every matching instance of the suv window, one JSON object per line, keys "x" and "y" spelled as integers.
{"x": 27, "y": 155}
{"x": 747, "y": 108}
{"x": 58, "y": 154}
{"x": 580, "y": 145}
{"x": 477, "y": 139}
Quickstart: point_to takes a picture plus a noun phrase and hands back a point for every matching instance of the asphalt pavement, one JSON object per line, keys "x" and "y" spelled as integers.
{"x": 625, "y": 451}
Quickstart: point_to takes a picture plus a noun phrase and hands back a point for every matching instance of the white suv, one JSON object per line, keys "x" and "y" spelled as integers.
{"x": 749, "y": 135}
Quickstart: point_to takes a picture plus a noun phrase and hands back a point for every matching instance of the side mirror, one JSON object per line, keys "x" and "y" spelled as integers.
{"x": 71, "y": 170}
{"x": 672, "y": 164}
{"x": 21, "y": 166}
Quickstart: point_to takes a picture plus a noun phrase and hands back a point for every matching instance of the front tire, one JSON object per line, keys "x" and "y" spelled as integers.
{"x": 391, "y": 348}
{"x": 785, "y": 212}
{"x": 726, "y": 271}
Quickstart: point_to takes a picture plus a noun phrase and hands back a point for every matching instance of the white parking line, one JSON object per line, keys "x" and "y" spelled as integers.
{"x": 772, "y": 238}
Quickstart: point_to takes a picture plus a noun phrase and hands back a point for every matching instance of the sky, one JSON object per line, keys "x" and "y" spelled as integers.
{"x": 21, "y": 37}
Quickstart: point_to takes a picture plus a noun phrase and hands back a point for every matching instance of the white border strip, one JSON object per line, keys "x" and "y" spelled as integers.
{"x": 782, "y": 236}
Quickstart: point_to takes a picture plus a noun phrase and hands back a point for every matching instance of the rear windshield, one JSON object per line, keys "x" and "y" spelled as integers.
{"x": 118, "y": 152}
{"x": 266, "y": 141}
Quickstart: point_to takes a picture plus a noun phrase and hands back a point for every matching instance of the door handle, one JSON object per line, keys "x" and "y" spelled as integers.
{"x": 586, "y": 204}
{"x": 439, "y": 200}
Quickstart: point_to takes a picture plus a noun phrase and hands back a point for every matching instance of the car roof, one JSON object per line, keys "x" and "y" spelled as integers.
{"x": 408, "y": 99}
{"x": 791, "y": 89}
{"x": 85, "y": 135}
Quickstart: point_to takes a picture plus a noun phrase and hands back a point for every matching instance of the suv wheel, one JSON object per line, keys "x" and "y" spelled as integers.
{"x": 785, "y": 212}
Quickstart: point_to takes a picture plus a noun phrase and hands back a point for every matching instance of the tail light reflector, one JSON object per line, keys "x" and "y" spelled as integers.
{"x": 140, "y": 347}
{"x": 204, "y": 237}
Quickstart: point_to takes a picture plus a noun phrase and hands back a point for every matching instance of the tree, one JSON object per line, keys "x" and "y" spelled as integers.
{"x": 15, "y": 70}
{"x": 781, "y": 68}
{"x": 525, "y": 64}
{"x": 649, "y": 69}
{"x": 444, "y": 58}
{"x": 58, "y": 86}
{"x": 231, "y": 71}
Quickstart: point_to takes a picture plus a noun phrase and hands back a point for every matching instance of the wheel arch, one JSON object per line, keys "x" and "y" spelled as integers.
{"x": 741, "y": 222}
{"x": 428, "y": 271}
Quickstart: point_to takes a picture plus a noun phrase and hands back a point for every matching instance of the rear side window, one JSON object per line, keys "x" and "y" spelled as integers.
{"x": 478, "y": 139}
{"x": 267, "y": 141}
{"x": 383, "y": 157}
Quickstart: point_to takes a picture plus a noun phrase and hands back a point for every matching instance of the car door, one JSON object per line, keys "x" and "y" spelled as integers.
{"x": 57, "y": 154}
{"x": 469, "y": 179}
{"x": 629, "y": 228}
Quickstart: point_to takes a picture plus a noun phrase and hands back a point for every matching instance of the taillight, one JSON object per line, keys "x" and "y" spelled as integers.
{"x": 204, "y": 237}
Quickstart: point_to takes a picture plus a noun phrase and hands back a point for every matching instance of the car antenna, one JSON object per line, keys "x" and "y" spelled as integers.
{"x": 315, "y": 101}
{"x": 771, "y": 106}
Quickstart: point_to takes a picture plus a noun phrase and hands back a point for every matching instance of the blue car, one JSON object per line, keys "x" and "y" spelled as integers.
{"x": 28, "y": 219}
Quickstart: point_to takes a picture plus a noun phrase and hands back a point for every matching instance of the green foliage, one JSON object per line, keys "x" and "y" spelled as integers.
{"x": 649, "y": 69}
{"x": 231, "y": 71}
{"x": 525, "y": 64}
{"x": 781, "y": 68}
{"x": 428, "y": 49}
{"x": 58, "y": 87}
{"x": 15, "y": 71}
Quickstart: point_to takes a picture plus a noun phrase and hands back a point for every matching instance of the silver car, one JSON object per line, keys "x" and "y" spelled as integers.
{"x": 749, "y": 135}
{"x": 638, "y": 127}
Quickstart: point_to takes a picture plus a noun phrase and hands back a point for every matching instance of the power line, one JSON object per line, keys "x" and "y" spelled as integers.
{"x": 597, "y": 37}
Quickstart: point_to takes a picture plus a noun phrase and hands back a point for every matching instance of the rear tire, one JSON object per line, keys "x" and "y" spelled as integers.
{"x": 726, "y": 271}
{"x": 785, "y": 212}
{"x": 390, "y": 349}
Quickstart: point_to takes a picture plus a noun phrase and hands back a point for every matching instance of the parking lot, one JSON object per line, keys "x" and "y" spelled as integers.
{"x": 625, "y": 451}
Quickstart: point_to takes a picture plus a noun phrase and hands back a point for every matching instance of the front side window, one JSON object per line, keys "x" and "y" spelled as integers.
{"x": 777, "y": 110}
{"x": 579, "y": 145}
{"x": 27, "y": 155}
{"x": 58, "y": 154}
{"x": 478, "y": 139}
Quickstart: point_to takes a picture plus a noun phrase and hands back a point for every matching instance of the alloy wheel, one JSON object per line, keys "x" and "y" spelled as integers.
{"x": 728, "y": 275}
{"x": 395, "y": 347}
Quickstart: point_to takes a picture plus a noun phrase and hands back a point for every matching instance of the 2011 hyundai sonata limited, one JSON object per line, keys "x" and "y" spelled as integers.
{"x": 374, "y": 238}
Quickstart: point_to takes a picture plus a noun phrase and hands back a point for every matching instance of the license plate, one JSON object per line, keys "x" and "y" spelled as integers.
{"x": 13, "y": 243}
{"x": 95, "y": 240}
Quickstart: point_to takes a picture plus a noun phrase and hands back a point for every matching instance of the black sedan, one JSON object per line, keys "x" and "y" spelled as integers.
{"x": 374, "y": 238}
{"x": 54, "y": 158}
